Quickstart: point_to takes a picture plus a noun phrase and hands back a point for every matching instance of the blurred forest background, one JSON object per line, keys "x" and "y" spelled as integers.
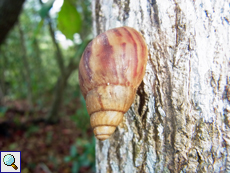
{"x": 42, "y": 112}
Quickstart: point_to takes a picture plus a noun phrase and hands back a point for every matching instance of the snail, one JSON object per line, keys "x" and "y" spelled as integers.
{"x": 111, "y": 68}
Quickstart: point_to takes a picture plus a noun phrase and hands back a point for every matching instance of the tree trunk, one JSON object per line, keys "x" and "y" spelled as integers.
{"x": 180, "y": 119}
{"x": 53, "y": 115}
{"x": 2, "y": 75}
{"x": 26, "y": 70}
{"x": 65, "y": 72}
{"x": 9, "y": 12}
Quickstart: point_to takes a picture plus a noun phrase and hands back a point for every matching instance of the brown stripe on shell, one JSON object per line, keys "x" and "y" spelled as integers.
{"x": 104, "y": 125}
{"x": 125, "y": 65}
{"x": 107, "y": 61}
{"x": 117, "y": 32}
{"x": 115, "y": 110}
{"x": 81, "y": 82}
{"x": 86, "y": 59}
{"x": 135, "y": 52}
{"x": 143, "y": 50}
{"x": 88, "y": 89}
{"x": 100, "y": 102}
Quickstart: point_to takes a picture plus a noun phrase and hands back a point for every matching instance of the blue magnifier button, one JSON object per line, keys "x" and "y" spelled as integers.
{"x": 8, "y": 159}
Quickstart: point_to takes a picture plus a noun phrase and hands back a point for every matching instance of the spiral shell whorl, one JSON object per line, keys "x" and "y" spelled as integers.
{"x": 115, "y": 57}
{"x": 106, "y": 108}
{"x": 104, "y": 123}
{"x": 110, "y": 70}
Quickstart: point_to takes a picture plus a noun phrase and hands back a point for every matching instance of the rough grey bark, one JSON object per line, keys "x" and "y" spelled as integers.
{"x": 180, "y": 120}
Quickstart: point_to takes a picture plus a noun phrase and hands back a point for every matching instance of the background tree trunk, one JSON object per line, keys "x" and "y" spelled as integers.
{"x": 26, "y": 70}
{"x": 2, "y": 76}
{"x": 180, "y": 120}
{"x": 9, "y": 12}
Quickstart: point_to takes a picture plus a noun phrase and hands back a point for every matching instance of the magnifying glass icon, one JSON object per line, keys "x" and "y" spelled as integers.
{"x": 9, "y": 160}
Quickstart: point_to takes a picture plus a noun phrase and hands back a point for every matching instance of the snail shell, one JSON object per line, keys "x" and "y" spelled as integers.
{"x": 110, "y": 70}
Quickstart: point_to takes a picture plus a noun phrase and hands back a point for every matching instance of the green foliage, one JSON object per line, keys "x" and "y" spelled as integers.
{"x": 46, "y": 8}
{"x": 81, "y": 117}
{"x": 82, "y": 154}
{"x": 43, "y": 69}
{"x": 41, "y": 60}
{"x": 13, "y": 146}
{"x": 2, "y": 111}
{"x": 36, "y": 30}
{"x": 49, "y": 137}
{"x": 69, "y": 20}
{"x": 41, "y": 54}
{"x": 31, "y": 130}
{"x": 40, "y": 50}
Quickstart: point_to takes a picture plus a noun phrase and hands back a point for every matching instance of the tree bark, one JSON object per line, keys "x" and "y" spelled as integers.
{"x": 53, "y": 115}
{"x": 2, "y": 75}
{"x": 9, "y": 12}
{"x": 26, "y": 70}
{"x": 65, "y": 72}
{"x": 180, "y": 119}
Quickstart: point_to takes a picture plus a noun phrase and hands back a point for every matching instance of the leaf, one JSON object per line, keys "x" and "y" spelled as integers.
{"x": 31, "y": 130}
{"x": 46, "y": 8}
{"x": 13, "y": 146}
{"x": 43, "y": 13}
{"x": 3, "y": 111}
{"x": 73, "y": 151}
{"x": 69, "y": 20}
{"x": 37, "y": 30}
{"x": 67, "y": 158}
{"x": 75, "y": 167}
